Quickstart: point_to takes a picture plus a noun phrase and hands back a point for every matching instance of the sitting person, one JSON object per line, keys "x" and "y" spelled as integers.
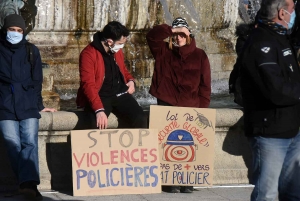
{"x": 105, "y": 84}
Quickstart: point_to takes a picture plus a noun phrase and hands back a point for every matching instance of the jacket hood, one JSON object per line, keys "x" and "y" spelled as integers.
{"x": 97, "y": 38}
{"x": 243, "y": 30}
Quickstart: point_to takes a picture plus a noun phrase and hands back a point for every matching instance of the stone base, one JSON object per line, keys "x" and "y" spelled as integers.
{"x": 232, "y": 153}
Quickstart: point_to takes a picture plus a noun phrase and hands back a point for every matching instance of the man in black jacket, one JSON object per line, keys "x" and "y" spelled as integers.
{"x": 20, "y": 103}
{"x": 271, "y": 98}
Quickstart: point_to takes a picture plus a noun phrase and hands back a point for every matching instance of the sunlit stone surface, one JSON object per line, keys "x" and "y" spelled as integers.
{"x": 64, "y": 27}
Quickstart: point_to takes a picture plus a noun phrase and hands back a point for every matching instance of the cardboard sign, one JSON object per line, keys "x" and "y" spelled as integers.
{"x": 109, "y": 162}
{"x": 186, "y": 143}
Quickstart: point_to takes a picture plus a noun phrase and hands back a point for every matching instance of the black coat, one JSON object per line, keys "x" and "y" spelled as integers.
{"x": 270, "y": 85}
{"x": 242, "y": 32}
{"x": 20, "y": 91}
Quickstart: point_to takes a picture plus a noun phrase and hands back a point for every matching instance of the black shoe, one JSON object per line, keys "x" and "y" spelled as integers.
{"x": 38, "y": 195}
{"x": 186, "y": 189}
{"x": 12, "y": 193}
{"x": 175, "y": 189}
{"x": 30, "y": 191}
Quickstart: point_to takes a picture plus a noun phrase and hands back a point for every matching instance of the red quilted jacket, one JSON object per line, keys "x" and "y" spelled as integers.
{"x": 92, "y": 74}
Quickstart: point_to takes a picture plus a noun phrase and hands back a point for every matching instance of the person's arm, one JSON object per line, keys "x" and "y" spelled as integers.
{"x": 90, "y": 90}
{"x": 37, "y": 76}
{"x": 129, "y": 80}
{"x": 270, "y": 79}
{"x": 155, "y": 38}
{"x": 205, "y": 83}
{"x": 38, "y": 80}
{"x": 120, "y": 61}
{"x": 87, "y": 79}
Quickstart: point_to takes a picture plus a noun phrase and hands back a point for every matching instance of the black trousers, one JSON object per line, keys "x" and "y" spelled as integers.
{"x": 126, "y": 109}
{"x": 160, "y": 102}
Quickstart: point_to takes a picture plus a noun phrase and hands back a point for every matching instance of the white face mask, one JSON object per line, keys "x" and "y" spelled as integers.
{"x": 292, "y": 19}
{"x": 116, "y": 48}
{"x": 14, "y": 37}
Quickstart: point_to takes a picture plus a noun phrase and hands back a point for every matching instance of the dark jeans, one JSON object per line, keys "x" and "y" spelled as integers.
{"x": 276, "y": 168}
{"x": 160, "y": 102}
{"x": 125, "y": 107}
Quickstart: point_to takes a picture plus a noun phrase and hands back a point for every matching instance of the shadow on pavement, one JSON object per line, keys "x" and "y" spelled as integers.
{"x": 46, "y": 196}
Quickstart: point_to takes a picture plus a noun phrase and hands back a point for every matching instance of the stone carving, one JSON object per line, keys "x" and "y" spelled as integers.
{"x": 26, "y": 8}
{"x": 248, "y": 9}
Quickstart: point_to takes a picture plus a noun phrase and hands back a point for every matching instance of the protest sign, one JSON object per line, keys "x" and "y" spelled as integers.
{"x": 186, "y": 144}
{"x": 109, "y": 162}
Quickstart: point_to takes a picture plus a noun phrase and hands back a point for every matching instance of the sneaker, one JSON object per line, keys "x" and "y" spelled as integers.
{"x": 30, "y": 191}
{"x": 175, "y": 189}
{"x": 187, "y": 189}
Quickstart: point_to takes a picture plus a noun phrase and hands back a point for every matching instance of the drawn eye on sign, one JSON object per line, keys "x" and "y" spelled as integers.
{"x": 202, "y": 121}
{"x": 179, "y": 147}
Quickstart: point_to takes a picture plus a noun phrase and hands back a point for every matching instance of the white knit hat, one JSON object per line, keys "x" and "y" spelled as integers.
{"x": 181, "y": 22}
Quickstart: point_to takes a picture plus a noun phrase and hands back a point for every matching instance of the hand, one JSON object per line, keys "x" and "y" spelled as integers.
{"x": 101, "y": 120}
{"x": 181, "y": 30}
{"x": 131, "y": 88}
{"x": 46, "y": 109}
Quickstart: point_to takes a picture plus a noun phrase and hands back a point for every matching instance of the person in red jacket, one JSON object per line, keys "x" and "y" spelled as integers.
{"x": 105, "y": 83}
{"x": 182, "y": 71}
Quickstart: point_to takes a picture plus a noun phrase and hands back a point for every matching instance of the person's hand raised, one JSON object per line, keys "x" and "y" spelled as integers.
{"x": 183, "y": 30}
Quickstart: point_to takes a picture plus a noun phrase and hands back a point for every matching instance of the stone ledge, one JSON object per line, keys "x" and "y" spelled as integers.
{"x": 232, "y": 153}
{"x": 79, "y": 120}
{"x": 66, "y": 121}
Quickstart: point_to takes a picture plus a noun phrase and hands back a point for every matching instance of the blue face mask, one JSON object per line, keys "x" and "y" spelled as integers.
{"x": 292, "y": 19}
{"x": 14, "y": 37}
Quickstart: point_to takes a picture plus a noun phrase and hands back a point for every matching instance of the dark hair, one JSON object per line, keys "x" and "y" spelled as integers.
{"x": 115, "y": 30}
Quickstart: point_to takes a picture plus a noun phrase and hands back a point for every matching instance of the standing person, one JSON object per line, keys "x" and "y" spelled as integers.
{"x": 20, "y": 103}
{"x": 182, "y": 72}
{"x": 105, "y": 84}
{"x": 271, "y": 97}
{"x": 242, "y": 32}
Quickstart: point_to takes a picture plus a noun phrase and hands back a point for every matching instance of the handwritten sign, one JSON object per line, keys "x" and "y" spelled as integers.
{"x": 109, "y": 162}
{"x": 186, "y": 144}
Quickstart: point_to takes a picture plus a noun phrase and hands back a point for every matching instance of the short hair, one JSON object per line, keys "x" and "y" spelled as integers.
{"x": 269, "y": 8}
{"x": 115, "y": 30}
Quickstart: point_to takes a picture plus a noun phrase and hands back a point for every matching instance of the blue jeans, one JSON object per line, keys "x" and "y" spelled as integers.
{"x": 276, "y": 168}
{"x": 21, "y": 140}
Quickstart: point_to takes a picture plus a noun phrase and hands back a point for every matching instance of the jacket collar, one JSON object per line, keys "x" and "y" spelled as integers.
{"x": 271, "y": 25}
{"x": 185, "y": 50}
{"x": 97, "y": 38}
